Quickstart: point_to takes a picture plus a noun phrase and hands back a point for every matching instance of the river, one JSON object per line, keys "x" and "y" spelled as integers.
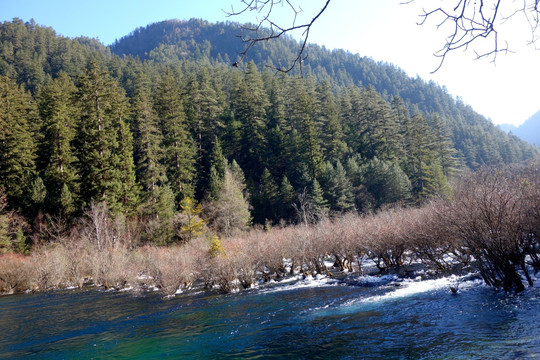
{"x": 357, "y": 318}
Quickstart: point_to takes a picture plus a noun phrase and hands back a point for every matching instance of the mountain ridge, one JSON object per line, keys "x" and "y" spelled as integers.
{"x": 528, "y": 130}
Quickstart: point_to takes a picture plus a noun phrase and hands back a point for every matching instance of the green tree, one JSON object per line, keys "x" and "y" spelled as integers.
{"x": 148, "y": 137}
{"x": 17, "y": 145}
{"x": 301, "y": 117}
{"x": 102, "y": 107}
{"x": 328, "y": 123}
{"x": 129, "y": 192}
{"x": 266, "y": 199}
{"x": 59, "y": 114}
{"x": 178, "y": 145}
{"x": 249, "y": 107}
{"x": 191, "y": 224}
{"x": 287, "y": 198}
{"x": 230, "y": 213}
{"x": 339, "y": 191}
{"x": 385, "y": 181}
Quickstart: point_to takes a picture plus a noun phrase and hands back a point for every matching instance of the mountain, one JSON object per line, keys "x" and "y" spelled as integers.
{"x": 161, "y": 117}
{"x": 528, "y": 131}
{"x": 199, "y": 40}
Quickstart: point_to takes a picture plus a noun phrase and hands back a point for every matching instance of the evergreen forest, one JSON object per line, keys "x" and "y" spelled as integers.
{"x": 162, "y": 133}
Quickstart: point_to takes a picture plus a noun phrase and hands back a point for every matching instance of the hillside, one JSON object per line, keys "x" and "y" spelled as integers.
{"x": 198, "y": 40}
{"x": 162, "y": 121}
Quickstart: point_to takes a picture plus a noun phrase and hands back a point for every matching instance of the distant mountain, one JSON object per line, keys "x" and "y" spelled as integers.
{"x": 528, "y": 131}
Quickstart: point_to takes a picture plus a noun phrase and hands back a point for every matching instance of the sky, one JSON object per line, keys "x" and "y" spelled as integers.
{"x": 505, "y": 91}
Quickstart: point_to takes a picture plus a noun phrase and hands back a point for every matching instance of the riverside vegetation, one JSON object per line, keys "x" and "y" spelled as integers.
{"x": 491, "y": 224}
{"x": 168, "y": 169}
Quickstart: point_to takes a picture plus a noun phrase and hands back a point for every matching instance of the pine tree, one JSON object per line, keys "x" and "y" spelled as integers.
{"x": 339, "y": 192}
{"x": 249, "y": 107}
{"x": 149, "y": 154}
{"x": 287, "y": 198}
{"x": 59, "y": 114}
{"x": 217, "y": 171}
{"x": 320, "y": 204}
{"x": 267, "y": 198}
{"x": 328, "y": 123}
{"x": 301, "y": 117}
{"x": 103, "y": 106}
{"x": 129, "y": 192}
{"x": 158, "y": 214}
{"x": 444, "y": 147}
{"x": 17, "y": 146}
{"x": 178, "y": 146}
{"x": 385, "y": 181}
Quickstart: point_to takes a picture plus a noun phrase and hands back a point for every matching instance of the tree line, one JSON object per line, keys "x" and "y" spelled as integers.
{"x": 153, "y": 140}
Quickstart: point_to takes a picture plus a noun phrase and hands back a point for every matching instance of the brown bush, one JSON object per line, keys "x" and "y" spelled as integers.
{"x": 14, "y": 273}
{"x": 489, "y": 213}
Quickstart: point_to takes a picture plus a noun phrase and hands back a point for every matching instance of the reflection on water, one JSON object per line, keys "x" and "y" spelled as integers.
{"x": 308, "y": 319}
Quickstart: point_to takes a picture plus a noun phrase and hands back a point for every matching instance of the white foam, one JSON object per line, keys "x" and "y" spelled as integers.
{"x": 308, "y": 282}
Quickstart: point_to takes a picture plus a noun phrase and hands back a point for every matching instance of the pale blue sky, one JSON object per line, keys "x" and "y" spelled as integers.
{"x": 381, "y": 29}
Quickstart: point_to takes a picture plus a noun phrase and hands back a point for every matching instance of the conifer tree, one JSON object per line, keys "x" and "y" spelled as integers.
{"x": 59, "y": 114}
{"x": 102, "y": 107}
{"x": 267, "y": 198}
{"x": 129, "y": 192}
{"x": 217, "y": 171}
{"x": 249, "y": 106}
{"x": 320, "y": 204}
{"x": 287, "y": 198}
{"x": 17, "y": 146}
{"x": 443, "y": 146}
{"x": 301, "y": 116}
{"x": 328, "y": 123}
{"x": 178, "y": 146}
{"x": 149, "y": 154}
{"x": 339, "y": 191}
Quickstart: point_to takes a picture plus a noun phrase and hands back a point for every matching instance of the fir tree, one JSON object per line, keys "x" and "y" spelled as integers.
{"x": 149, "y": 154}
{"x": 103, "y": 106}
{"x": 287, "y": 198}
{"x": 177, "y": 143}
{"x": 17, "y": 146}
{"x": 339, "y": 192}
{"x": 59, "y": 119}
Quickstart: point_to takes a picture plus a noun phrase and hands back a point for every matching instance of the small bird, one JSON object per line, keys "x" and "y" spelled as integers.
{"x": 235, "y": 64}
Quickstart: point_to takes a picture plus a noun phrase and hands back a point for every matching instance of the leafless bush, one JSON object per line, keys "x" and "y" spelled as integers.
{"x": 386, "y": 240}
{"x": 49, "y": 267}
{"x": 489, "y": 213}
{"x": 170, "y": 268}
{"x": 14, "y": 273}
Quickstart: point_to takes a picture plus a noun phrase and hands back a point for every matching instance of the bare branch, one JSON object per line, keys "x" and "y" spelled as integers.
{"x": 267, "y": 29}
{"x": 476, "y": 20}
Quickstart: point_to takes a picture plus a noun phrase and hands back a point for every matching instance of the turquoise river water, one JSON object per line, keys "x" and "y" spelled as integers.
{"x": 357, "y": 318}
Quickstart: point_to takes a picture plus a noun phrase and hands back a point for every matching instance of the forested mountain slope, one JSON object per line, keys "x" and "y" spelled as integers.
{"x": 477, "y": 139}
{"x": 164, "y": 118}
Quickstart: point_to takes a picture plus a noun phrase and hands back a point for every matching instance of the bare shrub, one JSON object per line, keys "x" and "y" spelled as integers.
{"x": 171, "y": 269}
{"x": 488, "y": 213}
{"x": 49, "y": 267}
{"x": 14, "y": 273}
{"x": 386, "y": 240}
